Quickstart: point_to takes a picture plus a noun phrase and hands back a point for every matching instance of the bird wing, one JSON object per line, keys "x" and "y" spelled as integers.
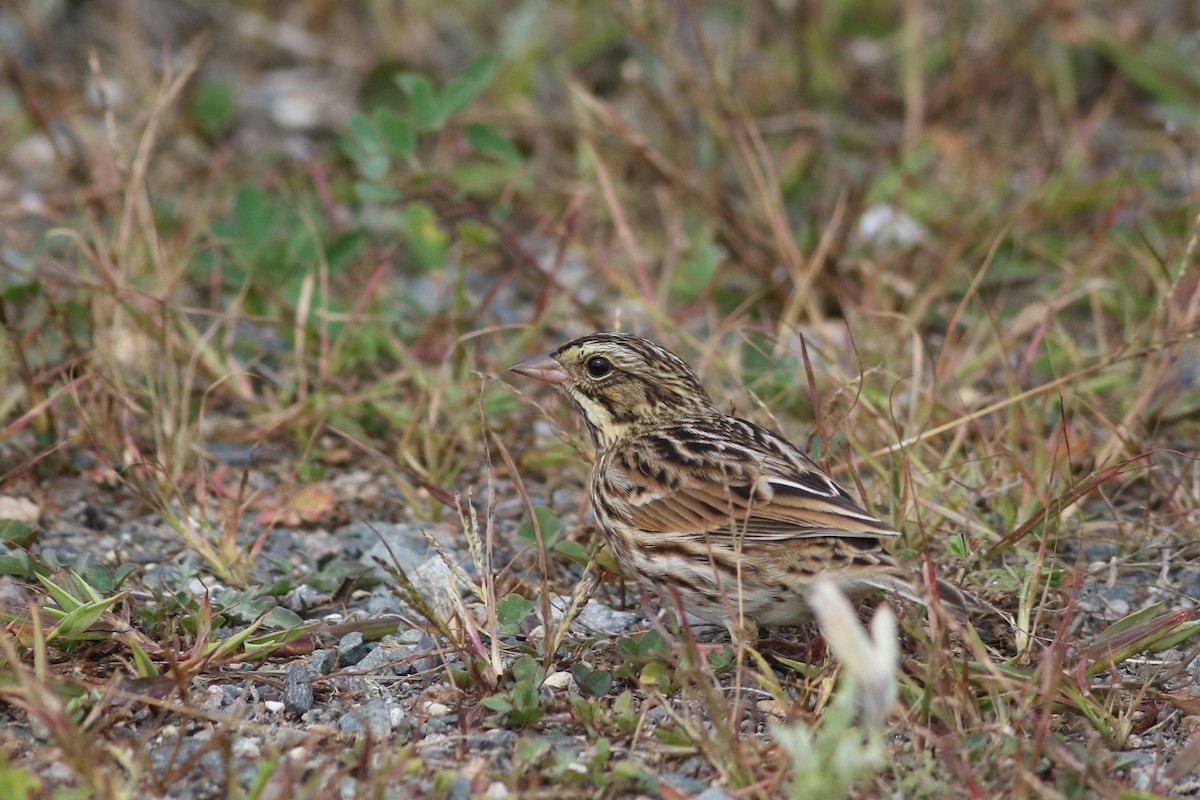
{"x": 732, "y": 479}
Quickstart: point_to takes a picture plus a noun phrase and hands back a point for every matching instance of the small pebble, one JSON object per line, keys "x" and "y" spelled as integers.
{"x": 460, "y": 789}
{"x": 374, "y": 716}
{"x": 558, "y": 680}
{"x": 322, "y": 662}
{"x": 297, "y": 688}
{"x": 772, "y": 707}
{"x": 247, "y": 748}
{"x": 352, "y": 648}
{"x": 437, "y": 709}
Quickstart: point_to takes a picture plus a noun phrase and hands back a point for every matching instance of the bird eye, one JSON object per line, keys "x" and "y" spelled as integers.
{"x": 598, "y": 366}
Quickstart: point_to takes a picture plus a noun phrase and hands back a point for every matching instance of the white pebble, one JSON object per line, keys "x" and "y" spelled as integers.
{"x": 558, "y": 680}
{"x": 437, "y": 709}
{"x": 247, "y": 748}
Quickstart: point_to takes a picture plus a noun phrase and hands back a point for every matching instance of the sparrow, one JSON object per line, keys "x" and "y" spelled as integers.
{"x": 722, "y": 516}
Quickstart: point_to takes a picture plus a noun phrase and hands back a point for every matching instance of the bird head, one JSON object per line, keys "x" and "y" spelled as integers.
{"x": 621, "y": 383}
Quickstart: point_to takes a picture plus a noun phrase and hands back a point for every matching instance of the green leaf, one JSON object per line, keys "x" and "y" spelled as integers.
{"x": 1155, "y": 67}
{"x": 592, "y": 683}
{"x": 482, "y": 176}
{"x": 1130, "y": 621}
{"x": 344, "y": 250}
{"x": 16, "y": 533}
{"x": 425, "y": 237}
{"x": 586, "y": 711}
{"x": 573, "y": 551}
{"x": 957, "y": 545}
{"x": 255, "y": 219}
{"x": 526, "y": 703}
{"x": 527, "y": 669}
{"x": 652, "y": 645}
{"x": 623, "y": 705}
{"x": 17, "y": 782}
{"x": 143, "y": 662}
{"x": 397, "y": 133}
{"x": 18, "y": 563}
{"x": 512, "y": 609}
{"x": 281, "y": 617}
{"x": 602, "y": 752}
{"x": 722, "y": 659}
{"x": 548, "y": 524}
{"x": 462, "y": 90}
{"x": 77, "y": 622}
{"x": 497, "y": 702}
{"x": 489, "y": 141}
{"x": 1176, "y": 637}
{"x": 421, "y": 100}
{"x": 121, "y": 573}
{"x": 213, "y": 107}
{"x": 630, "y": 770}
{"x": 374, "y": 168}
{"x": 365, "y": 135}
{"x": 21, "y": 292}
{"x": 265, "y": 644}
{"x": 1123, "y": 639}
{"x": 655, "y": 674}
{"x": 671, "y": 736}
{"x": 695, "y": 270}
{"x": 531, "y": 749}
{"x": 375, "y": 193}
{"x": 62, "y": 597}
{"x": 99, "y": 578}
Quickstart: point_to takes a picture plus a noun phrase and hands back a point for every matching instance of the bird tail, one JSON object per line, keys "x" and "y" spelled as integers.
{"x": 963, "y": 604}
{"x": 959, "y": 602}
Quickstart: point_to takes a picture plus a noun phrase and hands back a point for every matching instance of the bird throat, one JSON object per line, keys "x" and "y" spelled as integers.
{"x": 606, "y": 427}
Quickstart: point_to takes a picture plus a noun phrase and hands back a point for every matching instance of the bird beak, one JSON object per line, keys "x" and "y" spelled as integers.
{"x": 544, "y": 368}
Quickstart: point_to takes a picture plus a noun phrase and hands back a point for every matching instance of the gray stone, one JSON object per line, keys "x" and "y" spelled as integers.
{"x": 59, "y": 773}
{"x": 352, "y": 648}
{"x": 400, "y": 545}
{"x": 301, "y": 597}
{"x": 323, "y": 662}
{"x": 234, "y": 454}
{"x": 686, "y": 785}
{"x": 432, "y": 578}
{"x": 373, "y": 715}
{"x": 713, "y": 793}
{"x": 1113, "y": 601}
{"x": 402, "y": 652}
{"x": 1141, "y": 766}
{"x": 437, "y": 725}
{"x": 460, "y": 788}
{"x": 231, "y": 692}
{"x": 297, "y": 688}
{"x": 595, "y": 617}
{"x": 374, "y": 661}
{"x": 497, "y": 740}
{"x": 426, "y": 644}
{"x": 656, "y": 715}
{"x": 173, "y": 753}
{"x": 410, "y": 636}
{"x": 351, "y": 684}
{"x": 384, "y": 602}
